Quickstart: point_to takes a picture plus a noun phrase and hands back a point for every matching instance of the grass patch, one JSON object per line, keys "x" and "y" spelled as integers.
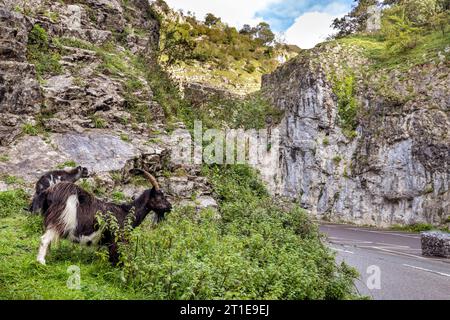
{"x": 119, "y": 197}
{"x": 31, "y": 130}
{"x": 376, "y": 49}
{"x": 99, "y": 122}
{"x": 41, "y": 53}
{"x": 12, "y": 202}
{"x": 10, "y": 179}
{"x": 70, "y": 164}
{"x": 124, "y": 137}
{"x": 417, "y": 228}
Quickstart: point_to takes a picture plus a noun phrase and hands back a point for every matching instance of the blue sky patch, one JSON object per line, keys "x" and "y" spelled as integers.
{"x": 281, "y": 15}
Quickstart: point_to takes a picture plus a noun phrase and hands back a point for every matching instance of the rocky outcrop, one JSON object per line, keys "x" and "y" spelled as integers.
{"x": 19, "y": 90}
{"x": 395, "y": 169}
{"x": 109, "y": 158}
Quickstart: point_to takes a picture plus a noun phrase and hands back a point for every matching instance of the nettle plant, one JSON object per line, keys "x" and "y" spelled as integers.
{"x": 256, "y": 250}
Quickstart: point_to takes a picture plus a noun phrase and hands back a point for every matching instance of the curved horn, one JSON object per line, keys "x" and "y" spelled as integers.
{"x": 149, "y": 177}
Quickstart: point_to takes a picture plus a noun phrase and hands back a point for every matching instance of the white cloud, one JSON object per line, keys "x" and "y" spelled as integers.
{"x": 235, "y": 13}
{"x": 310, "y": 29}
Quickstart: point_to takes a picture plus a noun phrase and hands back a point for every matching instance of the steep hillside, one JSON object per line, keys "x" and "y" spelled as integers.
{"x": 82, "y": 86}
{"x": 217, "y": 55}
{"x": 365, "y": 136}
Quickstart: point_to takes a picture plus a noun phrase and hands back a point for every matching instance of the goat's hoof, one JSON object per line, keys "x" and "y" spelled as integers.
{"x": 41, "y": 261}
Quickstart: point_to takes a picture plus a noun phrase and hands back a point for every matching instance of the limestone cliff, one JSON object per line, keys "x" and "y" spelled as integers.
{"x": 394, "y": 167}
{"x": 75, "y": 88}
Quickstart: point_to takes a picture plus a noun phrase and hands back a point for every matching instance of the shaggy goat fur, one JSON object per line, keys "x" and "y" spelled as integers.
{"x": 53, "y": 177}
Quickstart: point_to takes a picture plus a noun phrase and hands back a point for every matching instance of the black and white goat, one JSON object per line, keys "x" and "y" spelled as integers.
{"x": 53, "y": 177}
{"x": 70, "y": 212}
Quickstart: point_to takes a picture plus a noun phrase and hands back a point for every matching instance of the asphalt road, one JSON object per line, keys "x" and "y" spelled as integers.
{"x": 390, "y": 263}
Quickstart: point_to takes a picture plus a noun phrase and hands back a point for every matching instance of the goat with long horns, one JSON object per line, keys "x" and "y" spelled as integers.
{"x": 71, "y": 212}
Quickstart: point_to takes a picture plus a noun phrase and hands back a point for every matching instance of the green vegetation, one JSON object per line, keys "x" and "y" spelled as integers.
{"x": 256, "y": 251}
{"x": 98, "y": 122}
{"x": 4, "y": 158}
{"x": 86, "y": 185}
{"x": 124, "y": 137}
{"x": 12, "y": 202}
{"x": 31, "y": 130}
{"x": 251, "y": 112}
{"x": 70, "y": 164}
{"x": 213, "y": 50}
{"x": 412, "y": 32}
{"x": 376, "y": 48}
{"x": 418, "y": 227}
{"x": 10, "y": 179}
{"x": 118, "y": 197}
{"x": 215, "y": 41}
{"x": 53, "y": 16}
{"x": 345, "y": 91}
{"x": 41, "y": 52}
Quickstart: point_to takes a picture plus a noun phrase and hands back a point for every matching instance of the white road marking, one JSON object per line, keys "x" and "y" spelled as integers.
{"x": 427, "y": 270}
{"x": 349, "y": 240}
{"x": 341, "y": 250}
{"x": 397, "y": 252}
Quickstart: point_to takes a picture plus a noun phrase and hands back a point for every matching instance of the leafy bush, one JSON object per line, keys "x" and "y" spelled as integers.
{"x": 251, "y": 112}
{"x": 345, "y": 90}
{"x": 416, "y": 227}
{"x": 256, "y": 251}
{"x": 400, "y": 32}
{"x": 12, "y": 202}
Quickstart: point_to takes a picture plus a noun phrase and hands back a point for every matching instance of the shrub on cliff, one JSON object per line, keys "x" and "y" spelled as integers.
{"x": 40, "y": 53}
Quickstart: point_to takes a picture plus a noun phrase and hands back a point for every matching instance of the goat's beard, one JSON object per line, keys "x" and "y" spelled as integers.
{"x": 159, "y": 216}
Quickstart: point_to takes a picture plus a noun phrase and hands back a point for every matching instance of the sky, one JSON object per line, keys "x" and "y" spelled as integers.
{"x": 301, "y": 22}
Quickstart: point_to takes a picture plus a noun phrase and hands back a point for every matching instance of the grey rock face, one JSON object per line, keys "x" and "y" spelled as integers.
{"x": 97, "y": 150}
{"x": 435, "y": 244}
{"x": 85, "y": 112}
{"x": 396, "y": 170}
{"x": 19, "y": 90}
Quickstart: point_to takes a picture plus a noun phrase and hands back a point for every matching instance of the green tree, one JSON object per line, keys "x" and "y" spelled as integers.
{"x": 264, "y": 34}
{"x": 400, "y": 32}
{"x": 355, "y": 20}
{"x": 247, "y": 30}
{"x": 212, "y": 20}
{"x": 177, "y": 43}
